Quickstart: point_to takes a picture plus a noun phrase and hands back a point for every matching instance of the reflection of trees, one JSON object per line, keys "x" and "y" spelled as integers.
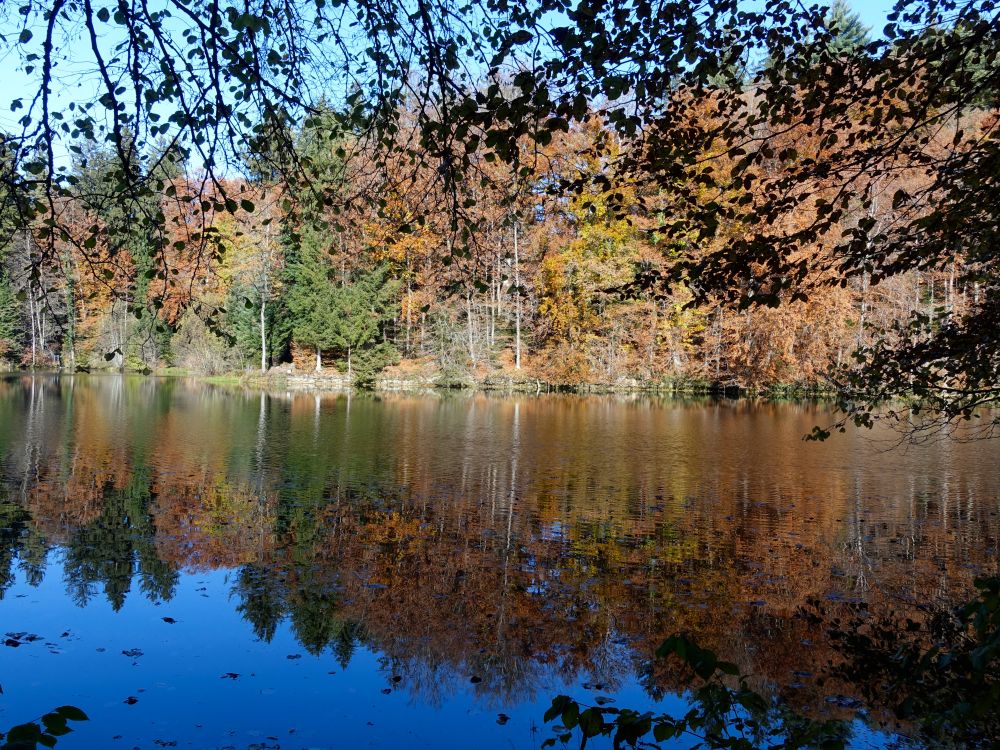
{"x": 14, "y": 527}
{"x": 117, "y": 547}
{"x": 259, "y": 591}
{"x": 481, "y": 538}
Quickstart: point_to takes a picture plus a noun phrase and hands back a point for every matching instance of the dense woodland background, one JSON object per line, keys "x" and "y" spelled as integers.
{"x": 538, "y": 283}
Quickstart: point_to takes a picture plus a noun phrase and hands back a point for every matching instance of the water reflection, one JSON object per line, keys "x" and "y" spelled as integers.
{"x": 506, "y": 539}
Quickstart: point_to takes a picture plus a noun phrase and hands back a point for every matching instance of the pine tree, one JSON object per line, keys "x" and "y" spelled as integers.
{"x": 11, "y": 320}
{"x": 849, "y": 34}
{"x": 312, "y": 297}
{"x": 363, "y": 307}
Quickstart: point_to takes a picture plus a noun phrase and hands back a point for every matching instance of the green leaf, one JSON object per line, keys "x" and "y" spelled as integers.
{"x": 103, "y": 15}
{"x": 727, "y": 668}
{"x": 664, "y": 731}
{"x": 29, "y": 732}
{"x": 520, "y": 37}
{"x": 25, "y": 36}
{"x": 571, "y": 715}
{"x": 559, "y": 704}
{"x": 592, "y": 722}
{"x": 55, "y": 724}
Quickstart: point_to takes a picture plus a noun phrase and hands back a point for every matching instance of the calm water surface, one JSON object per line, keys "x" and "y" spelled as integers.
{"x": 211, "y": 568}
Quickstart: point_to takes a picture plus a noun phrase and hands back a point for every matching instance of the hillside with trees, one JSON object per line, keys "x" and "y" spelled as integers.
{"x": 614, "y": 194}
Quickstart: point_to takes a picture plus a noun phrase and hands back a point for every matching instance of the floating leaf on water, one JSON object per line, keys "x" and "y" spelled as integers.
{"x": 169, "y": 620}
{"x": 132, "y": 653}
{"x": 502, "y": 719}
{"x": 475, "y": 680}
{"x": 131, "y": 700}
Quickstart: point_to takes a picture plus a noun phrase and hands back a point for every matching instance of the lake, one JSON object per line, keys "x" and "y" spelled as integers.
{"x": 196, "y": 566}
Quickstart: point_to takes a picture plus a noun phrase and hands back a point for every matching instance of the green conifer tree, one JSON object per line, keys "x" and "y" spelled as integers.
{"x": 312, "y": 297}
{"x": 362, "y": 310}
{"x": 11, "y": 320}
{"x": 849, "y": 33}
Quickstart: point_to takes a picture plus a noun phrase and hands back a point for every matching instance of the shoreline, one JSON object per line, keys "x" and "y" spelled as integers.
{"x": 288, "y": 379}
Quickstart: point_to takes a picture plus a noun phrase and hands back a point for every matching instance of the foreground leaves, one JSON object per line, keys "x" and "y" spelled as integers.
{"x": 725, "y": 713}
{"x": 942, "y": 676}
{"x": 43, "y": 732}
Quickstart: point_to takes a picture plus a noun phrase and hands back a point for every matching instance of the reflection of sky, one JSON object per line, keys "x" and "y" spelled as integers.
{"x": 282, "y": 695}
{"x": 184, "y": 696}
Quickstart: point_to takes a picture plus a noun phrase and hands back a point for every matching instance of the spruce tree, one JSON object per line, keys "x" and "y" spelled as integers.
{"x": 312, "y": 297}
{"x": 848, "y": 32}
{"x": 11, "y": 319}
{"x": 363, "y": 308}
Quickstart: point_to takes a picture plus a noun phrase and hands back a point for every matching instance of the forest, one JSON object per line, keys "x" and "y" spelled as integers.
{"x": 541, "y": 297}
{"x": 546, "y": 260}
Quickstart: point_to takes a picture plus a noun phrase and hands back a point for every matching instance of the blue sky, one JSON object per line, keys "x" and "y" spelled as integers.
{"x": 14, "y": 84}
{"x": 873, "y": 13}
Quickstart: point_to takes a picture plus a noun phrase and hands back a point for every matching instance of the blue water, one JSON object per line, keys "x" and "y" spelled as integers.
{"x": 209, "y": 569}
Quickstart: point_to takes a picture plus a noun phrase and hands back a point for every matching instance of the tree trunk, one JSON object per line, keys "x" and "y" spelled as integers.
{"x": 517, "y": 305}
{"x": 494, "y": 301}
{"x": 864, "y": 308}
{"x": 471, "y": 329}
{"x": 263, "y": 338}
{"x": 409, "y": 309}
{"x": 31, "y": 316}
